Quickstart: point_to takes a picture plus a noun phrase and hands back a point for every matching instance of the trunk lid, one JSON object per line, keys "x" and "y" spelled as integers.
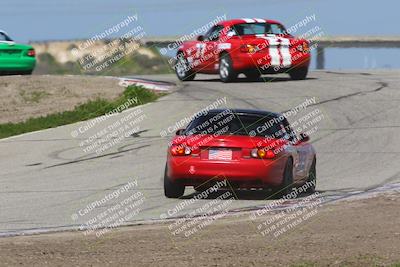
{"x": 12, "y": 50}
{"x": 240, "y": 146}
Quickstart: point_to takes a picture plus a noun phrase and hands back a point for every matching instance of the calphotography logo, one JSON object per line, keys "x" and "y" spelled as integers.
{"x": 115, "y": 131}
{"x": 205, "y": 208}
{"x": 219, "y": 102}
{"x": 276, "y": 218}
{"x": 111, "y": 211}
{"x": 187, "y": 37}
{"x": 103, "y": 50}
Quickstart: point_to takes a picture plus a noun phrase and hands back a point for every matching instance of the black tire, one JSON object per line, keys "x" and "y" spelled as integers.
{"x": 298, "y": 73}
{"x": 182, "y": 68}
{"x": 287, "y": 183}
{"x": 201, "y": 188}
{"x": 172, "y": 189}
{"x": 252, "y": 75}
{"x": 312, "y": 176}
{"x": 226, "y": 72}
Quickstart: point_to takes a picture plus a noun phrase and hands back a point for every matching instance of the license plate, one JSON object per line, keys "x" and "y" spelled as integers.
{"x": 220, "y": 154}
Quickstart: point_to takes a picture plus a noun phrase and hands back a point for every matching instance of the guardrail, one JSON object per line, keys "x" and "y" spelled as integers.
{"x": 322, "y": 43}
{"x": 352, "y": 42}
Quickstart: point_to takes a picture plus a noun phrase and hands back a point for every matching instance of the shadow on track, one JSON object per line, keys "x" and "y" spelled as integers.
{"x": 260, "y": 80}
{"x": 242, "y": 195}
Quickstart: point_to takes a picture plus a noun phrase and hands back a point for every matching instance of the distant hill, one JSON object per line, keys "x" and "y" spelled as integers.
{"x": 103, "y": 57}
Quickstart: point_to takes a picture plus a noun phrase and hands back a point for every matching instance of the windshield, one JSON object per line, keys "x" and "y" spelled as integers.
{"x": 258, "y": 28}
{"x": 4, "y": 37}
{"x": 228, "y": 123}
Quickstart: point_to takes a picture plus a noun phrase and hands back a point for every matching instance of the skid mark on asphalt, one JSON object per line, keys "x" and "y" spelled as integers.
{"x": 231, "y": 97}
{"x": 95, "y": 157}
{"x": 34, "y": 164}
{"x": 349, "y": 73}
{"x": 382, "y": 86}
{"x": 144, "y": 139}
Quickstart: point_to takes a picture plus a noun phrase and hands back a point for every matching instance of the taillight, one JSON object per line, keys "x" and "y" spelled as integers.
{"x": 31, "y": 53}
{"x": 303, "y": 48}
{"x": 262, "y": 153}
{"x": 183, "y": 150}
{"x": 248, "y": 48}
{"x": 179, "y": 150}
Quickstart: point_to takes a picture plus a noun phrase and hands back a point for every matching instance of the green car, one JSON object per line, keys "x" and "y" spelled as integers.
{"x": 15, "y": 58}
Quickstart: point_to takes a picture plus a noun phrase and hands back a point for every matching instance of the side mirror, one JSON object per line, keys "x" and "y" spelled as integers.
{"x": 200, "y": 38}
{"x": 304, "y": 138}
{"x": 180, "y": 132}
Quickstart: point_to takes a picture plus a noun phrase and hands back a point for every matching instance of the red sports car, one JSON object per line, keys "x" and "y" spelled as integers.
{"x": 249, "y": 46}
{"x": 247, "y": 148}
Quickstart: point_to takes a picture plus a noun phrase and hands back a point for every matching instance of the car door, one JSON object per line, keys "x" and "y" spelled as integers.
{"x": 206, "y": 56}
{"x": 301, "y": 152}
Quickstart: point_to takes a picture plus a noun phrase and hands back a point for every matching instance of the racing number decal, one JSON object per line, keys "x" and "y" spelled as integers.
{"x": 200, "y": 49}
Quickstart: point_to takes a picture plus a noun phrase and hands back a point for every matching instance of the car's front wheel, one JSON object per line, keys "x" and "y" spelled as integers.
{"x": 298, "y": 73}
{"x": 226, "y": 71}
{"x": 172, "y": 189}
{"x": 182, "y": 69}
{"x": 312, "y": 177}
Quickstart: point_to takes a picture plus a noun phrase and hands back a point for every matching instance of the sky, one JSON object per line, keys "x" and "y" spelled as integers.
{"x": 76, "y": 19}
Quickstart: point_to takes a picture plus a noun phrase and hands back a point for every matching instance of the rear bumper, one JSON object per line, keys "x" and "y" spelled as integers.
{"x": 262, "y": 62}
{"x": 17, "y": 64}
{"x": 244, "y": 173}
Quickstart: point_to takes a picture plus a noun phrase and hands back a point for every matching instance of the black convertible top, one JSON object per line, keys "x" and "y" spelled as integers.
{"x": 261, "y": 113}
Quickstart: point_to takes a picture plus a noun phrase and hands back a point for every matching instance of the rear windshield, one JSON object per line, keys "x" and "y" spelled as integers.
{"x": 258, "y": 28}
{"x": 228, "y": 123}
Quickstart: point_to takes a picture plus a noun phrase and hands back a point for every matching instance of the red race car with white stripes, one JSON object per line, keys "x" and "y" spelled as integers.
{"x": 249, "y": 46}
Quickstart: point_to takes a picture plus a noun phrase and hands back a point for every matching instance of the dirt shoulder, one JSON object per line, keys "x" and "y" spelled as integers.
{"x": 357, "y": 233}
{"x": 23, "y": 97}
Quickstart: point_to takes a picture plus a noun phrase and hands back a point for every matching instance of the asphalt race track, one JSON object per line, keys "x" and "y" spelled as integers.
{"x": 46, "y": 177}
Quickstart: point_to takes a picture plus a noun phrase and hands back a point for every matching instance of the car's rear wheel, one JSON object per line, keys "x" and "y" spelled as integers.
{"x": 226, "y": 71}
{"x": 182, "y": 69}
{"x": 172, "y": 189}
{"x": 287, "y": 183}
{"x": 252, "y": 75}
{"x": 312, "y": 177}
{"x": 298, "y": 73}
